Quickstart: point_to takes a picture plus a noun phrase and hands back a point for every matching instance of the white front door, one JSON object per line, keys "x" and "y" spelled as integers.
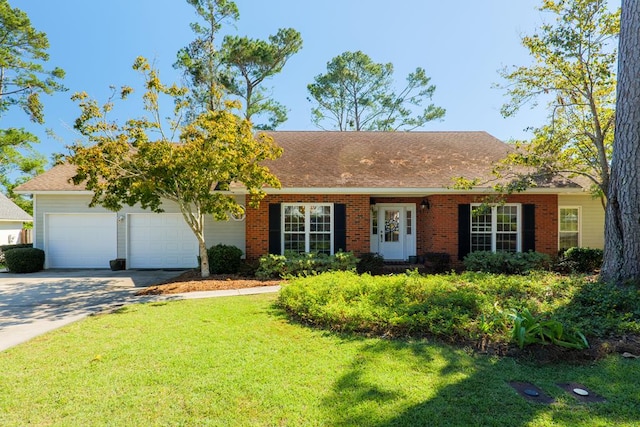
{"x": 391, "y": 230}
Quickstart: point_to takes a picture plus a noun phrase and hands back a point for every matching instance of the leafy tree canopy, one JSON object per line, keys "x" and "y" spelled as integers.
{"x": 357, "y": 94}
{"x": 238, "y": 67}
{"x": 249, "y": 62}
{"x": 144, "y": 161}
{"x": 22, "y": 53}
{"x": 23, "y": 78}
{"x": 573, "y": 71}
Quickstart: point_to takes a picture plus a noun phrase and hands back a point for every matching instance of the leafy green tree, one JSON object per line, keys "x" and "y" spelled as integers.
{"x": 19, "y": 162}
{"x": 248, "y": 62}
{"x": 622, "y": 221}
{"x": 240, "y": 65}
{"x": 146, "y": 161}
{"x": 573, "y": 71}
{"x": 200, "y": 59}
{"x": 23, "y": 78}
{"x": 357, "y": 94}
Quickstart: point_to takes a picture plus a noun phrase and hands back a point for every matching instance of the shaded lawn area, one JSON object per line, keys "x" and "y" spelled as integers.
{"x": 238, "y": 361}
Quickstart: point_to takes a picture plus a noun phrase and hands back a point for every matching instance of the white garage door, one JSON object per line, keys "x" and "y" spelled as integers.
{"x": 161, "y": 241}
{"x": 80, "y": 240}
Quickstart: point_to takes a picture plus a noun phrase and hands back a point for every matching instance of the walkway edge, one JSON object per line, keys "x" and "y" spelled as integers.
{"x": 224, "y": 293}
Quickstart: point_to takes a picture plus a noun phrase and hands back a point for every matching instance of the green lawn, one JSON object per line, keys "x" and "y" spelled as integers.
{"x": 239, "y": 362}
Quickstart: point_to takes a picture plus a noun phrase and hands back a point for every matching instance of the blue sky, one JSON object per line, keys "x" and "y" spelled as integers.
{"x": 461, "y": 45}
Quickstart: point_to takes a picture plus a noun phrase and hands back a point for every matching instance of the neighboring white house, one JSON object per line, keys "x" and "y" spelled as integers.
{"x": 12, "y": 219}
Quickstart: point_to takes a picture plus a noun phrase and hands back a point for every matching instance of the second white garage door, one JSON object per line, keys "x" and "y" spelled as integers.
{"x": 160, "y": 241}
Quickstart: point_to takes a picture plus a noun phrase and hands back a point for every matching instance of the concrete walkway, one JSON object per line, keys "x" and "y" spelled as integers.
{"x": 36, "y": 303}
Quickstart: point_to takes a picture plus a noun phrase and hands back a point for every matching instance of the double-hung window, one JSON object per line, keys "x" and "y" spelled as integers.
{"x": 496, "y": 228}
{"x": 569, "y": 228}
{"x": 308, "y": 227}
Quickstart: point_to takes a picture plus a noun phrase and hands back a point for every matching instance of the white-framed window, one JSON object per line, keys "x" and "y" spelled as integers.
{"x": 307, "y": 227}
{"x": 568, "y": 227}
{"x": 496, "y": 228}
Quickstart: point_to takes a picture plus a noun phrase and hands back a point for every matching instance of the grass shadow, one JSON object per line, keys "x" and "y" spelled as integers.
{"x": 467, "y": 390}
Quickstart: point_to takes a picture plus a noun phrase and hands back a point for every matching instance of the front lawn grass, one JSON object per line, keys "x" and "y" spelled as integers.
{"x": 239, "y": 362}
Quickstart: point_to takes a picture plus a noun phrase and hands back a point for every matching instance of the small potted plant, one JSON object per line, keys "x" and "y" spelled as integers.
{"x": 118, "y": 264}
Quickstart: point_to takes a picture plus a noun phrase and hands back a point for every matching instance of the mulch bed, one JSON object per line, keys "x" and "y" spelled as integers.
{"x": 191, "y": 281}
{"x": 598, "y": 349}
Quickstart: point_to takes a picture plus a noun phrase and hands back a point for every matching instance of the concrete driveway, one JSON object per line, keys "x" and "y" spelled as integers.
{"x": 35, "y": 303}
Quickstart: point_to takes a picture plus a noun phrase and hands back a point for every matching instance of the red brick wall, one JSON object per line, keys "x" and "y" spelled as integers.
{"x": 440, "y": 230}
{"x": 437, "y": 227}
{"x": 358, "y": 221}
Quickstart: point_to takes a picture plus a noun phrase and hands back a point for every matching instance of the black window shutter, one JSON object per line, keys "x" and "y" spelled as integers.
{"x": 275, "y": 234}
{"x": 339, "y": 227}
{"x": 464, "y": 230}
{"x": 528, "y": 228}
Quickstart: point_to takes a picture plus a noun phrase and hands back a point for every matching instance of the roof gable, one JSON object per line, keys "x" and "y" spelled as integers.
{"x": 57, "y": 178}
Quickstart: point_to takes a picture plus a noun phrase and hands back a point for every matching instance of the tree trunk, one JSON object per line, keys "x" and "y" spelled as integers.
{"x": 204, "y": 258}
{"x": 622, "y": 221}
{"x": 194, "y": 218}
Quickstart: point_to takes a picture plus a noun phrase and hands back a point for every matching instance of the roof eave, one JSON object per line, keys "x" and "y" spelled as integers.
{"x": 418, "y": 191}
{"x": 55, "y": 192}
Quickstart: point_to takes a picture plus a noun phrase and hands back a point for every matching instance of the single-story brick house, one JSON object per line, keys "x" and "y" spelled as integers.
{"x": 12, "y": 219}
{"x": 389, "y": 193}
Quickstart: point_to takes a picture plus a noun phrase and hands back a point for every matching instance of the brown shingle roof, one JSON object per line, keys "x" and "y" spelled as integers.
{"x": 55, "y": 179}
{"x": 384, "y": 159}
{"x": 321, "y": 159}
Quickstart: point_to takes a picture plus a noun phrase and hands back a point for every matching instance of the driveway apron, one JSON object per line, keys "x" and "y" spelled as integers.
{"x": 32, "y": 304}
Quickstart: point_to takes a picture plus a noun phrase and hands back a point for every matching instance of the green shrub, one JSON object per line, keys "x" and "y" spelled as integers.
{"x": 293, "y": 264}
{"x": 580, "y": 260}
{"x": 396, "y": 305}
{"x": 270, "y": 266}
{"x": 371, "y": 263}
{"x": 343, "y": 261}
{"x": 471, "y": 306}
{"x": 603, "y": 309}
{"x": 5, "y": 248}
{"x": 224, "y": 259}
{"x": 437, "y": 262}
{"x": 506, "y": 262}
{"x": 24, "y": 260}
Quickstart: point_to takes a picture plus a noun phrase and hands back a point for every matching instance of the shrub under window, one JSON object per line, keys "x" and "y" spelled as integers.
{"x": 506, "y": 262}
